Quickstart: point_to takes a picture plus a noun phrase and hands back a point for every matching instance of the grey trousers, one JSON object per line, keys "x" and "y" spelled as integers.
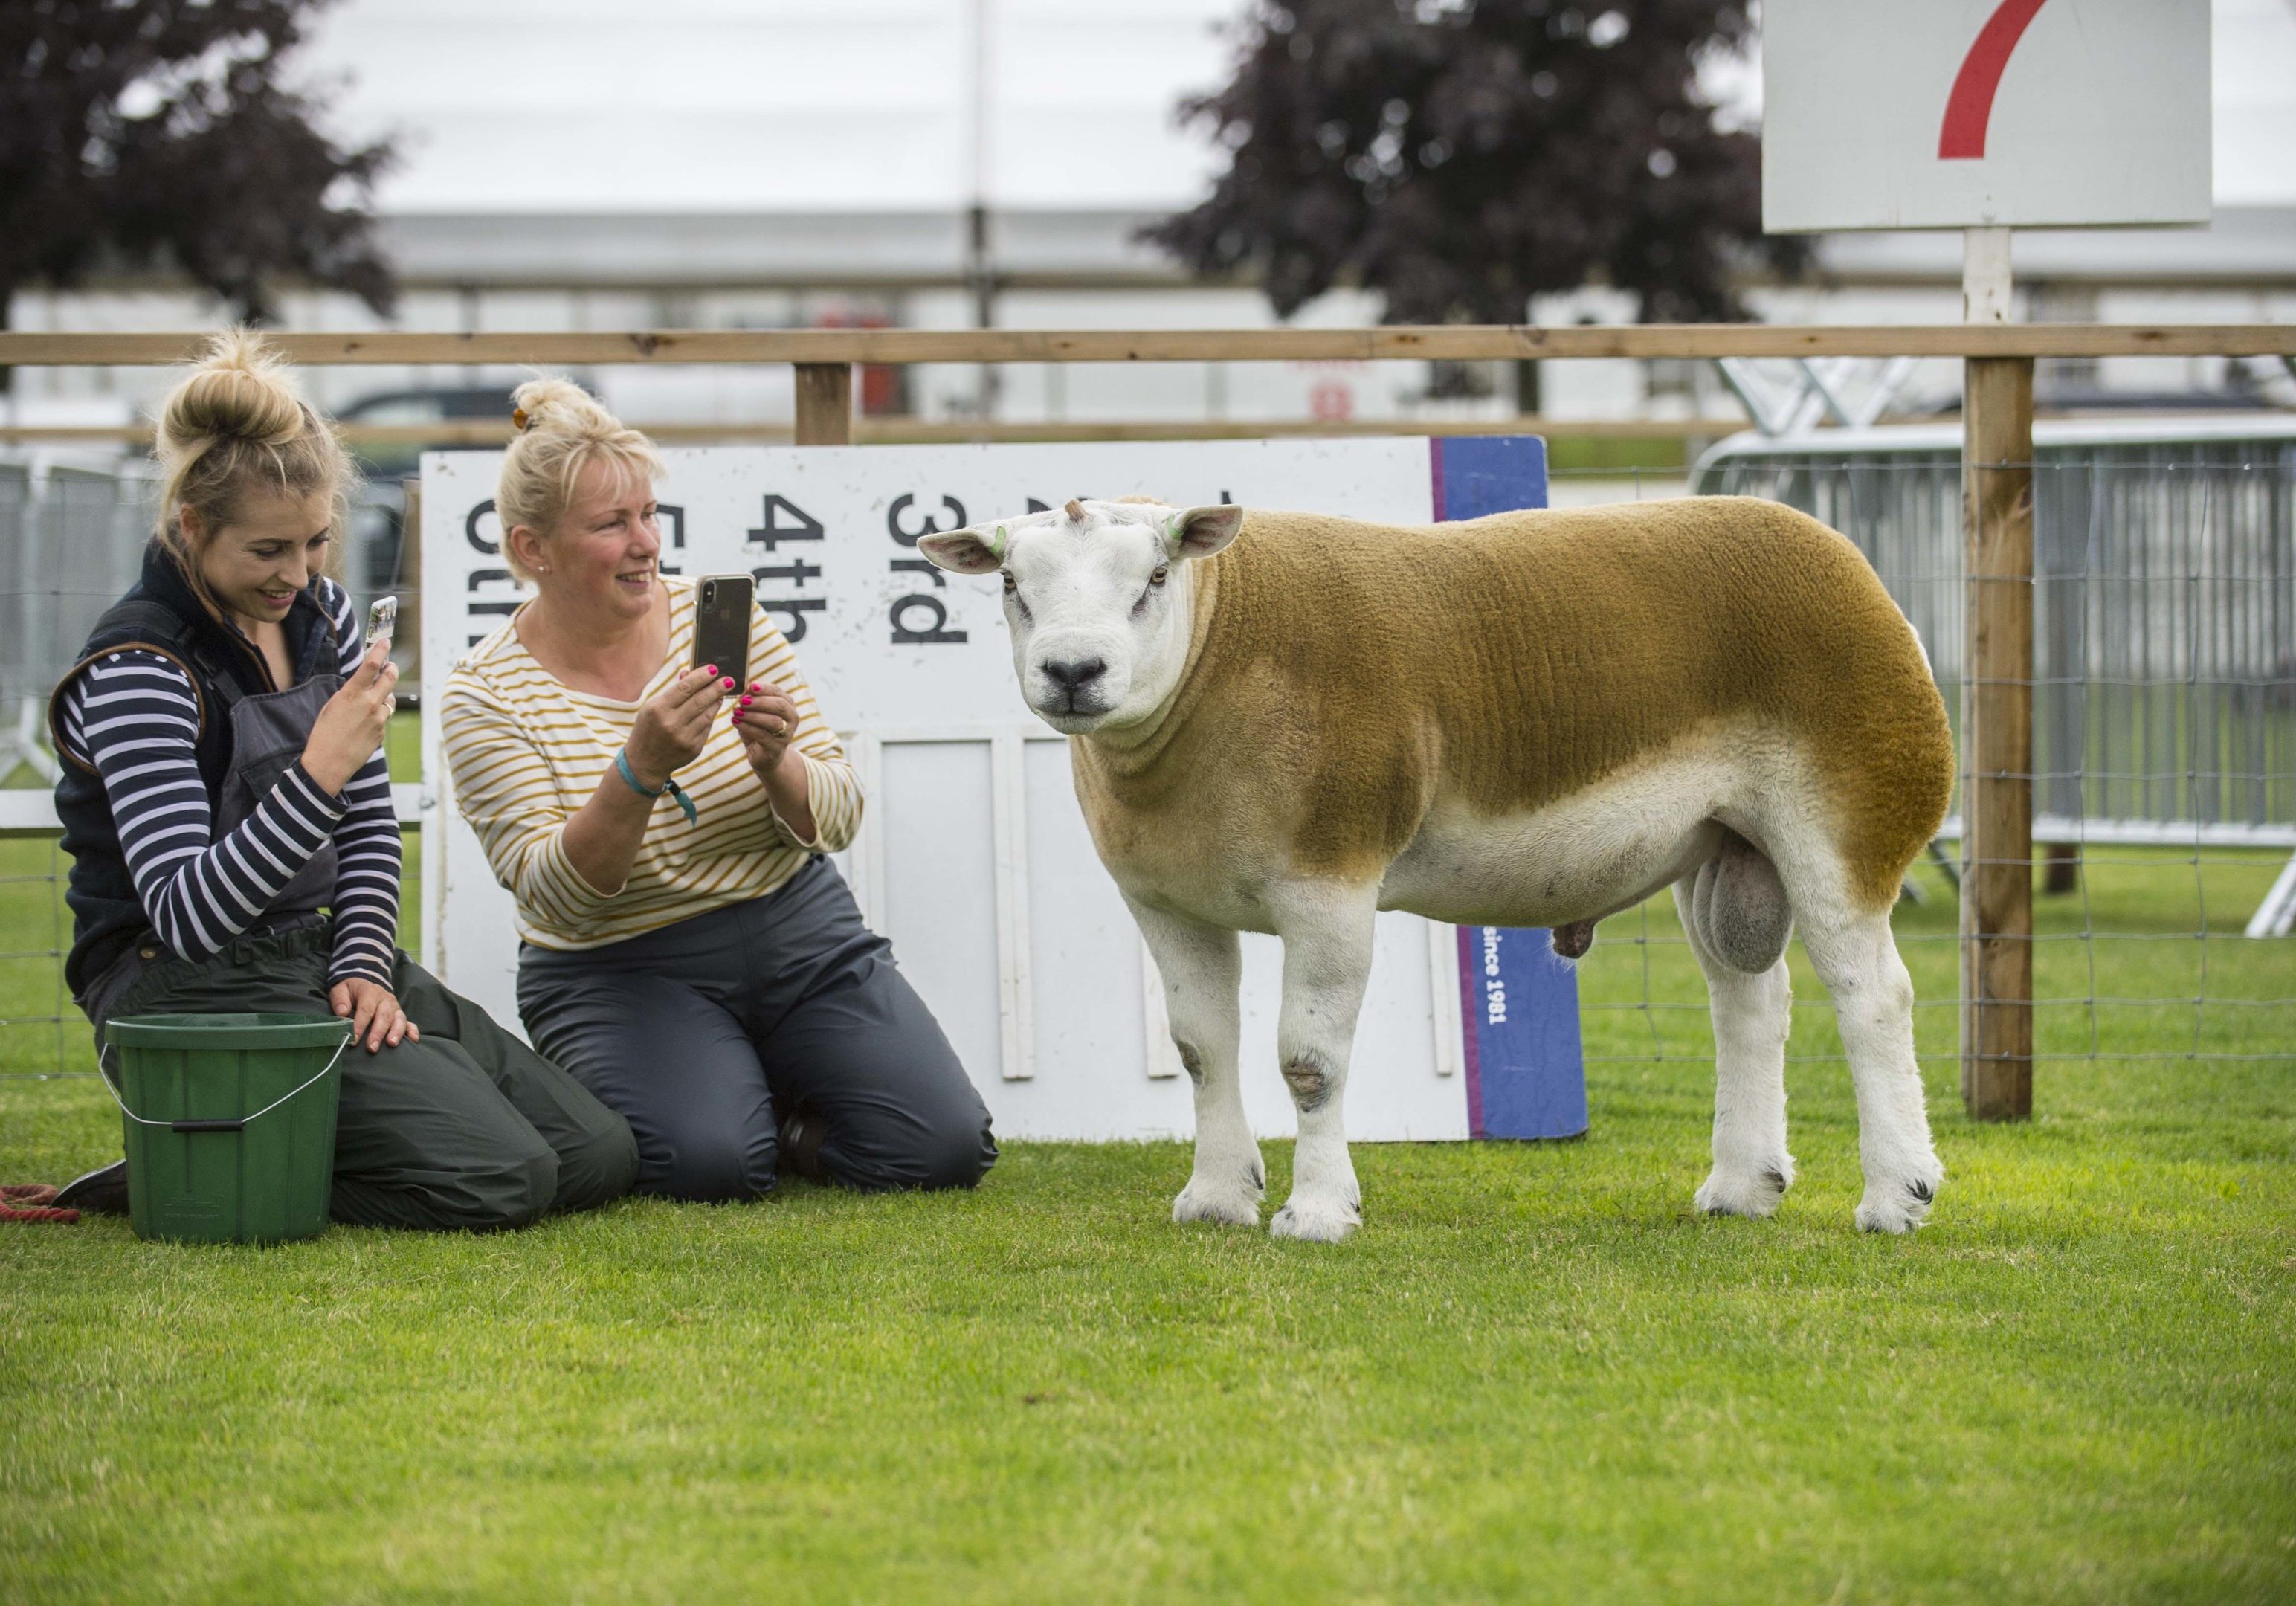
{"x": 712, "y": 1033}
{"x": 468, "y": 1128}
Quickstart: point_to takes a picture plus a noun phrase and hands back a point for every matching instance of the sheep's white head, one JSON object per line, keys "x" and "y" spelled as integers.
{"x": 1097, "y": 599}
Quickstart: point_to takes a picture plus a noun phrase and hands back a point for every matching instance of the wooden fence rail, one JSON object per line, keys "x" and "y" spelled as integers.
{"x": 1458, "y": 342}
{"x": 903, "y": 430}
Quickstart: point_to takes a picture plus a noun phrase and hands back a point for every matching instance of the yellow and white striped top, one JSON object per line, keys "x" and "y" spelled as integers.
{"x": 526, "y": 751}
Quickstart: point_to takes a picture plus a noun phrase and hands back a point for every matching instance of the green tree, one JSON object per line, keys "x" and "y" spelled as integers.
{"x": 158, "y": 133}
{"x": 1460, "y": 156}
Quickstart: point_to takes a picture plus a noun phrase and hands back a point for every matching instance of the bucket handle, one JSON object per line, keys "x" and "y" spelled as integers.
{"x": 235, "y": 1124}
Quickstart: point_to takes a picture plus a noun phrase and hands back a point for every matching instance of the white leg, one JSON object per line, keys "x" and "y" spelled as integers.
{"x": 1201, "y": 971}
{"x": 1857, "y": 958}
{"x": 1327, "y": 941}
{"x": 1752, "y": 1016}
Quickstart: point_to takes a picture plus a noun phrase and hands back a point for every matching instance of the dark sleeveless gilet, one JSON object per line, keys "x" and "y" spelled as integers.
{"x": 249, "y": 734}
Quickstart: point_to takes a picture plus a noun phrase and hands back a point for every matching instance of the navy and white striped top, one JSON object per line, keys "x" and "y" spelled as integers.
{"x": 133, "y": 717}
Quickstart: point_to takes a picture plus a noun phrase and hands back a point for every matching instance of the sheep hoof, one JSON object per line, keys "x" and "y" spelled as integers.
{"x": 1753, "y": 1194}
{"x": 1899, "y": 1206}
{"x": 1316, "y": 1220}
{"x": 1230, "y": 1204}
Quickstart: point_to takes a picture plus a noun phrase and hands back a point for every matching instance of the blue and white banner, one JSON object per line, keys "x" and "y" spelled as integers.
{"x": 1525, "y": 1070}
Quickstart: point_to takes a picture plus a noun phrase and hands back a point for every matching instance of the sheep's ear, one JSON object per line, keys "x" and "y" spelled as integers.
{"x": 976, "y": 550}
{"x": 1199, "y": 532}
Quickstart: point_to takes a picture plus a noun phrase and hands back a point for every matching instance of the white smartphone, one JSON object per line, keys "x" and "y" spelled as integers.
{"x": 382, "y": 615}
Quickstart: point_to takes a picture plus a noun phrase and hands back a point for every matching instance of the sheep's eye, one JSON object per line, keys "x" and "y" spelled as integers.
{"x": 1163, "y": 572}
{"x": 1011, "y": 584}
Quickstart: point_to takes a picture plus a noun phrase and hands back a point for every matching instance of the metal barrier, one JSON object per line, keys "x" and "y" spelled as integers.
{"x": 73, "y": 525}
{"x": 72, "y": 530}
{"x": 2164, "y": 676}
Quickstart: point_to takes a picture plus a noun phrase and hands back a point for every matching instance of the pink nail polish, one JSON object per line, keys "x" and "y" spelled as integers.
{"x": 711, "y": 668}
{"x": 729, "y": 682}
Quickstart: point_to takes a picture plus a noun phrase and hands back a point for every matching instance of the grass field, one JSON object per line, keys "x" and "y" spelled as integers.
{"x": 1535, "y": 1374}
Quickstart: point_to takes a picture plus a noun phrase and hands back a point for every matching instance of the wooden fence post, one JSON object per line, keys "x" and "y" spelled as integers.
{"x": 1996, "y": 804}
{"x": 824, "y": 403}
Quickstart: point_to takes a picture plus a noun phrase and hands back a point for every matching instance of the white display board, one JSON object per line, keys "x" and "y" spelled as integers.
{"x": 1882, "y": 114}
{"x": 973, "y": 857}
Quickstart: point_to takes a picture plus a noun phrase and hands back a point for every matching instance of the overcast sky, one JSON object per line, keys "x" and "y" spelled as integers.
{"x": 864, "y": 105}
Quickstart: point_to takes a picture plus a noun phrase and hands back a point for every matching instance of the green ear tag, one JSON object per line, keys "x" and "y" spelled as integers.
{"x": 1000, "y": 540}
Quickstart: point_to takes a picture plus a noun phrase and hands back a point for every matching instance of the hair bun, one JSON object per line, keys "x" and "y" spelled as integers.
{"x": 562, "y": 431}
{"x": 560, "y": 407}
{"x": 235, "y": 426}
{"x": 237, "y": 390}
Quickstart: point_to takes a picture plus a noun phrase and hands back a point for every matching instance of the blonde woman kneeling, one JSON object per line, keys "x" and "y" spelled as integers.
{"x": 688, "y": 952}
{"x": 228, "y": 812}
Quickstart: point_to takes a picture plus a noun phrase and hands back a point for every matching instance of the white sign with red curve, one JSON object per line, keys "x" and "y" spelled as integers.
{"x": 1884, "y": 114}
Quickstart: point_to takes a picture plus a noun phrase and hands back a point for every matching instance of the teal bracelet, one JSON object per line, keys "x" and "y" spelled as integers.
{"x": 629, "y": 778}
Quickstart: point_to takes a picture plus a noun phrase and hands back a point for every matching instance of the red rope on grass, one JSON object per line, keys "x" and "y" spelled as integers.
{"x": 28, "y": 1201}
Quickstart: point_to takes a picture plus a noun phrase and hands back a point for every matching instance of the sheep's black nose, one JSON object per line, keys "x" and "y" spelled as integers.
{"x": 1076, "y": 674}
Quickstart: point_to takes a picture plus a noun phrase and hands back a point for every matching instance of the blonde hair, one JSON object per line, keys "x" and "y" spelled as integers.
{"x": 236, "y": 422}
{"x": 562, "y": 431}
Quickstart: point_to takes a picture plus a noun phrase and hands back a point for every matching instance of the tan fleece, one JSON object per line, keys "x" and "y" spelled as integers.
{"x": 1344, "y": 675}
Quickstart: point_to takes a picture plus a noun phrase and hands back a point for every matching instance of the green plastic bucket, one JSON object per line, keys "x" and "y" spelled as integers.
{"x": 230, "y": 1123}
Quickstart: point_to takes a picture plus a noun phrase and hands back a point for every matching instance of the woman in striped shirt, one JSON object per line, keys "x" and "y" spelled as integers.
{"x": 225, "y": 784}
{"x": 689, "y": 954}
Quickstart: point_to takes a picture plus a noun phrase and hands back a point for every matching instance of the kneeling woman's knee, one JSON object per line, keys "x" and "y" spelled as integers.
{"x": 530, "y": 1189}
{"x": 711, "y": 1167}
{"x": 600, "y": 1166}
{"x": 514, "y": 1190}
{"x": 952, "y": 1153}
{"x": 962, "y": 1157}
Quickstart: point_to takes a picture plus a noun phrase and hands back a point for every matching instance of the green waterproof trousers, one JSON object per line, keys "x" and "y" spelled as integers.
{"x": 469, "y": 1129}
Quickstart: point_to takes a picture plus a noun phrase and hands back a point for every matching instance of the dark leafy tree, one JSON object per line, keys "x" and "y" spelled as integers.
{"x": 1461, "y": 156}
{"x": 158, "y": 133}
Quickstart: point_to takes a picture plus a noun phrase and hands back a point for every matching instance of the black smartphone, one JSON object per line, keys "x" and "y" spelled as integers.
{"x": 721, "y": 624}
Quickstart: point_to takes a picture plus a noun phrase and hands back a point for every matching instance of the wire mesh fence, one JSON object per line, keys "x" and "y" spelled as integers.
{"x": 2164, "y": 714}
{"x": 2164, "y": 740}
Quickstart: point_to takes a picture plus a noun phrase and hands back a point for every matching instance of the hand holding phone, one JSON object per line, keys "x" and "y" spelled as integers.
{"x": 355, "y": 721}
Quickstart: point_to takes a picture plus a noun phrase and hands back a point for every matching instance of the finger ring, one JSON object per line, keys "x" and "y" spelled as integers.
{"x": 781, "y": 725}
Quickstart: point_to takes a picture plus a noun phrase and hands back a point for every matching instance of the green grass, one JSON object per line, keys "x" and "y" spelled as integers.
{"x": 1611, "y": 454}
{"x": 1534, "y": 1375}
